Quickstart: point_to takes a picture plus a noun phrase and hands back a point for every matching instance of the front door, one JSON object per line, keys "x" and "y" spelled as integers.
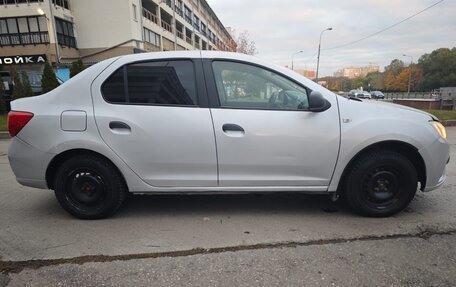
{"x": 264, "y": 135}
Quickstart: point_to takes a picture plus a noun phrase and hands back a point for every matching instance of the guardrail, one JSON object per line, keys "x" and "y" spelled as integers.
{"x": 419, "y": 100}
{"x": 413, "y": 95}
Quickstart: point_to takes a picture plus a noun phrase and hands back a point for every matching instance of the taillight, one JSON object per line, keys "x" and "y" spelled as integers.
{"x": 17, "y": 121}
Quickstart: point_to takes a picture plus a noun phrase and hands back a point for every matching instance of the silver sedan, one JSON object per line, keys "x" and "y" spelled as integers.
{"x": 215, "y": 122}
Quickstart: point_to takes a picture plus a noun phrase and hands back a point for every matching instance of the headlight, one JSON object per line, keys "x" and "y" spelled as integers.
{"x": 440, "y": 129}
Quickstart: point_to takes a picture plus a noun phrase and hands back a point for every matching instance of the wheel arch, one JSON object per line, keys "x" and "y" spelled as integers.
{"x": 60, "y": 158}
{"x": 404, "y": 148}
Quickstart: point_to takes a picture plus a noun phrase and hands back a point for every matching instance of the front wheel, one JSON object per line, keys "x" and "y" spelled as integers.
{"x": 380, "y": 184}
{"x": 89, "y": 187}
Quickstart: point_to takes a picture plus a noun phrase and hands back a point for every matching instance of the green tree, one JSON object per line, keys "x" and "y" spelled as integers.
{"x": 76, "y": 67}
{"x": 439, "y": 68}
{"x": 376, "y": 81}
{"x": 49, "y": 80}
{"x": 395, "y": 67}
{"x": 401, "y": 80}
{"x": 26, "y": 87}
{"x": 357, "y": 83}
{"x": 18, "y": 88}
{"x": 2, "y": 98}
{"x": 417, "y": 78}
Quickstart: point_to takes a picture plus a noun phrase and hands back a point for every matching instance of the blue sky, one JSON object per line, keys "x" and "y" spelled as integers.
{"x": 280, "y": 28}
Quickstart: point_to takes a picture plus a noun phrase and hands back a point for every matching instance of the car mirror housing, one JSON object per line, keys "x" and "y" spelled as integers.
{"x": 317, "y": 103}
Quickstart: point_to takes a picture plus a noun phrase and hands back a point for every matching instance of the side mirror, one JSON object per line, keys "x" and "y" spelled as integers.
{"x": 317, "y": 103}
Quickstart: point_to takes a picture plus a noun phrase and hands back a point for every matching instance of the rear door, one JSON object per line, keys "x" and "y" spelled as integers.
{"x": 154, "y": 115}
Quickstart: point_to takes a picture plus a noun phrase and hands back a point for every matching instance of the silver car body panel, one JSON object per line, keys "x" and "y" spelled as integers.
{"x": 332, "y": 138}
{"x": 277, "y": 148}
{"x": 370, "y": 122}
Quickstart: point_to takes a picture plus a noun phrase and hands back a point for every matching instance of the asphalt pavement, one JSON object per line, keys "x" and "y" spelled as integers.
{"x": 226, "y": 240}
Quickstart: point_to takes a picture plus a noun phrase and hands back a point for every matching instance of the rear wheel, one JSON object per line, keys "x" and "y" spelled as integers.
{"x": 89, "y": 187}
{"x": 381, "y": 184}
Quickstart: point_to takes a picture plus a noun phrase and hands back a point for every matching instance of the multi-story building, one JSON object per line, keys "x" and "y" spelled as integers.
{"x": 62, "y": 31}
{"x": 356, "y": 72}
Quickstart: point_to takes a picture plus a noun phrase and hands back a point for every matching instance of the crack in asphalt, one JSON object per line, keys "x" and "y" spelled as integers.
{"x": 7, "y": 267}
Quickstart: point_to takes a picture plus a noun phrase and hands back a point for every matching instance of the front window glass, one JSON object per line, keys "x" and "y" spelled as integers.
{"x": 246, "y": 86}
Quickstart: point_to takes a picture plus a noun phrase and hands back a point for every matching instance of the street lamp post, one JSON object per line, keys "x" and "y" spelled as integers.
{"x": 319, "y": 47}
{"x": 292, "y": 59}
{"x": 410, "y": 74}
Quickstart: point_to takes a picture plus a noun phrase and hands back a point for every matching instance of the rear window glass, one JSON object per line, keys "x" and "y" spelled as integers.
{"x": 114, "y": 89}
{"x": 154, "y": 83}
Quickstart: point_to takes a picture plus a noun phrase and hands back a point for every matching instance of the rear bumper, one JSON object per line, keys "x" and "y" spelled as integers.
{"x": 28, "y": 163}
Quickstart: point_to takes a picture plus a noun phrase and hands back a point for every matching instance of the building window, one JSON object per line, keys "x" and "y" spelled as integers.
{"x": 65, "y": 33}
{"x": 9, "y": 2}
{"x": 210, "y": 35}
{"x": 23, "y": 31}
{"x": 62, "y": 3}
{"x": 151, "y": 37}
{"x": 178, "y": 7}
{"x": 170, "y": 83}
{"x": 196, "y": 22}
{"x": 203, "y": 28}
{"x": 135, "y": 16}
{"x": 188, "y": 14}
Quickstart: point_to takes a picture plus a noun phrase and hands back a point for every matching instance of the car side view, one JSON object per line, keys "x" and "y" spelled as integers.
{"x": 377, "y": 95}
{"x": 200, "y": 122}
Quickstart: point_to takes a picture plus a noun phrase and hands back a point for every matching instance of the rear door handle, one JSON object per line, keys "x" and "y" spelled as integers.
{"x": 233, "y": 130}
{"x": 119, "y": 127}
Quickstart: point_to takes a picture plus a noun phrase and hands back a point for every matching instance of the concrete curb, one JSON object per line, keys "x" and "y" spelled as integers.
{"x": 4, "y": 136}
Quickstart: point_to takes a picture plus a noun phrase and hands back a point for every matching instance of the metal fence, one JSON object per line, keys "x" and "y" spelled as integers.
{"x": 435, "y": 100}
{"x": 413, "y": 95}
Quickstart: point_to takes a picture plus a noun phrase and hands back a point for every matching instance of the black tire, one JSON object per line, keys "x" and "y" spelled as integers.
{"x": 89, "y": 187}
{"x": 381, "y": 184}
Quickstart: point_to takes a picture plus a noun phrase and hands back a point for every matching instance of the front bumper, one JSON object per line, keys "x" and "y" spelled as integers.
{"x": 439, "y": 183}
{"x": 436, "y": 156}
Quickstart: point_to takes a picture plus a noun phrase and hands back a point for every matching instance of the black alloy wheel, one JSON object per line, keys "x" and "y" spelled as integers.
{"x": 89, "y": 187}
{"x": 381, "y": 183}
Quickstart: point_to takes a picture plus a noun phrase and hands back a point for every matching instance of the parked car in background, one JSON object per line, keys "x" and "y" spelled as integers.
{"x": 365, "y": 95}
{"x": 354, "y": 93}
{"x": 215, "y": 122}
{"x": 359, "y": 94}
{"x": 377, "y": 95}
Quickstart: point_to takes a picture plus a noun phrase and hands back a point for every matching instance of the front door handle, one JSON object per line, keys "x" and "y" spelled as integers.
{"x": 233, "y": 130}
